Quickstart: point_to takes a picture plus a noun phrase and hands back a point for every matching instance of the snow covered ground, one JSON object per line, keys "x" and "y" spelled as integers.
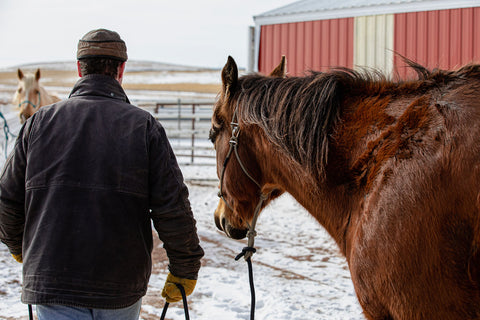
{"x": 298, "y": 271}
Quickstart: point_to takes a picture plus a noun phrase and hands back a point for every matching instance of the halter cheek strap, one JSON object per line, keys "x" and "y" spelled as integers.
{"x": 248, "y": 251}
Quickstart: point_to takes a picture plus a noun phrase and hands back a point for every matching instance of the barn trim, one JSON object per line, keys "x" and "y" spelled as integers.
{"x": 308, "y": 10}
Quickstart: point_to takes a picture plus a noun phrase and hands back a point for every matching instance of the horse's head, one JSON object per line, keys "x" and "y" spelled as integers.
{"x": 240, "y": 165}
{"x": 27, "y": 97}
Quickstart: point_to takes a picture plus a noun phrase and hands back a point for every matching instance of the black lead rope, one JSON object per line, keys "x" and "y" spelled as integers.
{"x": 185, "y": 306}
{"x": 250, "y": 277}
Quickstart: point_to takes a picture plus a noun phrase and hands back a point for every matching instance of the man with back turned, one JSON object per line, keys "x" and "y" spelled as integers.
{"x": 79, "y": 191}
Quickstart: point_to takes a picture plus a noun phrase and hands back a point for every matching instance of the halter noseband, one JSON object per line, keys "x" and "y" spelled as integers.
{"x": 35, "y": 106}
{"x": 249, "y": 250}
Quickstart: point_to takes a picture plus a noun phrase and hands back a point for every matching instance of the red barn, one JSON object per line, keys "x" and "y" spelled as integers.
{"x": 319, "y": 34}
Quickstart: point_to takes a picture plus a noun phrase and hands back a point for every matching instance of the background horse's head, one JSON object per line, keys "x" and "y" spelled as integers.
{"x": 29, "y": 96}
{"x": 240, "y": 167}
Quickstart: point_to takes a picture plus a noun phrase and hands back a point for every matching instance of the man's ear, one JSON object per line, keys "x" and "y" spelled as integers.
{"x": 79, "y": 69}
{"x": 120, "y": 72}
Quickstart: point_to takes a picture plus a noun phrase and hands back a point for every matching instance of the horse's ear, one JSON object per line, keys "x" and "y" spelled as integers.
{"x": 281, "y": 70}
{"x": 20, "y": 74}
{"x": 37, "y": 75}
{"x": 229, "y": 77}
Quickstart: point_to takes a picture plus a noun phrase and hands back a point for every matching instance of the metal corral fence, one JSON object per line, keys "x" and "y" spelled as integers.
{"x": 187, "y": 124}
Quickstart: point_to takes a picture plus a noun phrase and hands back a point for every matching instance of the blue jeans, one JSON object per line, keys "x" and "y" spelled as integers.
{"x": 58, "y": 312}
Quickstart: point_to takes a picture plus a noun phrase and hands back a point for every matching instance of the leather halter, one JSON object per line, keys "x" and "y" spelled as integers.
{"x": 234, "y": 148}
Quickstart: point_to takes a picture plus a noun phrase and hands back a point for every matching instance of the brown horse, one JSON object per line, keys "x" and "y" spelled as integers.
{"x": 390, "y": 169}
{"x": 30, "y": 95}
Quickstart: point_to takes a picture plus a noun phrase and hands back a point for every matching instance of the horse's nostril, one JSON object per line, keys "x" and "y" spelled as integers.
{"x": 237, "y": 233}
{"x": 224, "y": 222}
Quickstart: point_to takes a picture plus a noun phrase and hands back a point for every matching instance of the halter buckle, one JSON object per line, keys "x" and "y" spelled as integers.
{"x": 233, "y": 141}
{"x": 235, "y": 130}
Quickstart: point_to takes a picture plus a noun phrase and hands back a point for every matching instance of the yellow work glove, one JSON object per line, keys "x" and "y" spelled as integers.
{"x": 171, "y": 293}
{"x": 18, "y": 257}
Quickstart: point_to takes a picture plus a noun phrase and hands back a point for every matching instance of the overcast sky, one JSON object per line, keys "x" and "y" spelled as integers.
{"x": 189, "y": 32}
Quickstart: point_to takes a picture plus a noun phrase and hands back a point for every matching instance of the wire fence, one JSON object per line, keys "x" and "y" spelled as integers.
{"x": 187, "y": 124}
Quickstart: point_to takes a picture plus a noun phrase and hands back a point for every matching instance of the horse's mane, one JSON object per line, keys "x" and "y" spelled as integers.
{"x": 298, "y": 113}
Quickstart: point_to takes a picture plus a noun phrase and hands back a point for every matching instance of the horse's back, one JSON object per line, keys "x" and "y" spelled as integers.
{"x": 49, "y": 98}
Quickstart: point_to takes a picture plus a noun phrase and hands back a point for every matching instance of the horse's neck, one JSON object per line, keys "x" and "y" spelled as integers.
{"x": 329, "y": 206}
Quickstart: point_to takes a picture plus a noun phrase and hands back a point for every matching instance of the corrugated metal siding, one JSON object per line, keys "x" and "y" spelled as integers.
{"x": 309, "y": 45}
{"x": 374, "y": 42}
{"x": 444, "y": 39}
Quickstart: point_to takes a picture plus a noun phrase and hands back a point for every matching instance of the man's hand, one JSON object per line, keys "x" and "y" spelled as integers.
{"x": 18, "y": 257}
{"x": 171, "y": 293}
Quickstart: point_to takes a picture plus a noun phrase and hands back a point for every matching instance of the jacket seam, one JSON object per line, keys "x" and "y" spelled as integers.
{"x": 93, "y": 187}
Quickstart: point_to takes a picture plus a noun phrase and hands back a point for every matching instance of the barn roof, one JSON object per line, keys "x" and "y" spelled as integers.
{"x": 307, "y": 10}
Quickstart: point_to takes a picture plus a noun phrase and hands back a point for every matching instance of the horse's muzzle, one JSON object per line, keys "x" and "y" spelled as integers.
{"x": 234, "y": 233}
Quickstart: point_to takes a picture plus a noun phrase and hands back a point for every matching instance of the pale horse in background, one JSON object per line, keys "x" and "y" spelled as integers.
{"x": 30, "y": 95}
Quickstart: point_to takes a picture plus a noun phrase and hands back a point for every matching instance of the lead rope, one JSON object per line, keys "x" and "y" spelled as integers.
{"x": 185, "y": 306}
{"x": 7, "y": 132}
{"x": 249, "y": 250}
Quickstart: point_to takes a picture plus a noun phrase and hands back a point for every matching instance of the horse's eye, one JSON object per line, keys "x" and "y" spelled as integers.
{"x": 212, "y": 135}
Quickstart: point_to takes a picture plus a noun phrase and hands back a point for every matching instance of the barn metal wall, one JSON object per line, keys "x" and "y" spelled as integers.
{"x": 446, "y": 39}
{"x": 307, "y": 45}
{"x": 374, "y": 42}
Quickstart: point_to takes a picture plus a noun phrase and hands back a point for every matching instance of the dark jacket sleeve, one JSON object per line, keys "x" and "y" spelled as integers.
{"x": 170, "y": 208}
{"x": 12, "y": 194}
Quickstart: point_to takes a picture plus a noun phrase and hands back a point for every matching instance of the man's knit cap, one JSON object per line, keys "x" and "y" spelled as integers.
{"x": 102, "y": 43}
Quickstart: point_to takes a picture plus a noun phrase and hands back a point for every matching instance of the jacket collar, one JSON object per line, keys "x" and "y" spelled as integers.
{"x": 99, "y": 85}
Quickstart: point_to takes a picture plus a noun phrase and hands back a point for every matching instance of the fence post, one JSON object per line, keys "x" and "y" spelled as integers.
{"x": 179, "y": 104}
{"x": 193, "y": 132}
